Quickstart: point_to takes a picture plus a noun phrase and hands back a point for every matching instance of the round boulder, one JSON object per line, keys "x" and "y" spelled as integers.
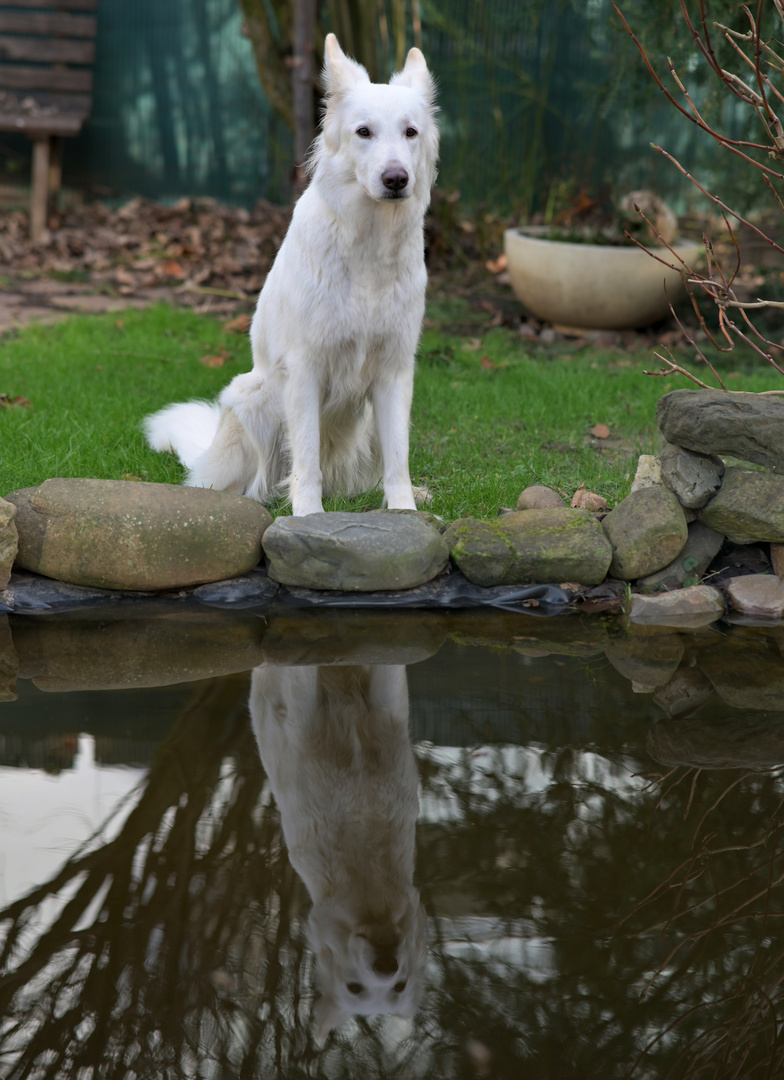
{"x": 647, "y": 531}
{"x": 118, "y": 534}
{"x": 538, "y": 497}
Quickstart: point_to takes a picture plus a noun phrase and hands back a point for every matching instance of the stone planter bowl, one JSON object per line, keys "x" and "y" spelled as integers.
{"x": 592, "y": 286}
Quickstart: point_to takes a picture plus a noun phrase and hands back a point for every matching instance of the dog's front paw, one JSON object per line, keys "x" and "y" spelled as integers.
{"x": 303, "y": 507}
{"x": 400, "y": 500}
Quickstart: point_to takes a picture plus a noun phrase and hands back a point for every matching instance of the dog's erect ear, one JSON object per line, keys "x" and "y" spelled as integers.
{"x": 341, "y": 73}
{"x": 415, "y": 76}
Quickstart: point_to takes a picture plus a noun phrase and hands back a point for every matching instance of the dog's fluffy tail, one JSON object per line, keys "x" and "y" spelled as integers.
{"x": 187, "y": 429}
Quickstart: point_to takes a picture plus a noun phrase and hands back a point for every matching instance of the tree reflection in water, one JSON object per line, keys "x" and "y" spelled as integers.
{"x": 581, "y": 922}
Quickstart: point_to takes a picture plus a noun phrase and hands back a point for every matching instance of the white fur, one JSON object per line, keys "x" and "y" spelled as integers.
{"x": 326, "y": 407}
{"x": 335, "y": 746}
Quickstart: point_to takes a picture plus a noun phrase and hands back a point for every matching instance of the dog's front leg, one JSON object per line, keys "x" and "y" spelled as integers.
{"x": 302, "y": 402}
{"x": 392, "y": 411}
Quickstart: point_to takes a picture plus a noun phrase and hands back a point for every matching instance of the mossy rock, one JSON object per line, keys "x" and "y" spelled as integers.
{"x": 647, "y": 531}
{"x": 541, "y": 547}
{"x": 748, "y": 507}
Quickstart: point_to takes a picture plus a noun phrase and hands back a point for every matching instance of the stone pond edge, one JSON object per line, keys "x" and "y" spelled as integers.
{"x": 637, "y": 563}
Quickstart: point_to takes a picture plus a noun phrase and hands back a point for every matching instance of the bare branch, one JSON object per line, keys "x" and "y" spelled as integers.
{"x": 671, "y": 368}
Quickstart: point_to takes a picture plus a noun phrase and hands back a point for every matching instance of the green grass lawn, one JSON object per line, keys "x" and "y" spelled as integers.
{"x": 493, "y": 413}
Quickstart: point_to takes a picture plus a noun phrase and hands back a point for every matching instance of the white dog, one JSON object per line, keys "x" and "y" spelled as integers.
{"x": 335, "y": 746}
{"x": 326, "y": 407}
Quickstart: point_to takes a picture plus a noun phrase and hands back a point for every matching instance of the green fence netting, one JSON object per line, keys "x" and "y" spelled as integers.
{"x": 531, "y": 106}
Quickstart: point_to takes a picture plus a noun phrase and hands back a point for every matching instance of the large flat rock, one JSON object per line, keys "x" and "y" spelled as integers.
{"x": 117, "y": 534}
{"x": 745, "y": 426}
{"x": 380, "y": 550}
{"x": 693, "y": 607}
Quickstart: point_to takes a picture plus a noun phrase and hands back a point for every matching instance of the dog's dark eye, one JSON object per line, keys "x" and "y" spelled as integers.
{"x": 411, "y": 133}
{"x": 399, "y": 987}
{"x": 354, "y": 988}
{"x": 363, "y": 132}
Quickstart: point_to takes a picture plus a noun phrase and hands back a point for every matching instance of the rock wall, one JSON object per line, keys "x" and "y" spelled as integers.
{"x": 647, "y": 555}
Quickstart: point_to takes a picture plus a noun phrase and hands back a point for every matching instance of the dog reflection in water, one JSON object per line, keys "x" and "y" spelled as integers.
{"x": 334, "y": 743}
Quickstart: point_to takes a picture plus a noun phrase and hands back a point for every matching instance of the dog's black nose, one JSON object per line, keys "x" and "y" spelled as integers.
{"x": 385, "y": 964}
{"x": 394, "y": 179}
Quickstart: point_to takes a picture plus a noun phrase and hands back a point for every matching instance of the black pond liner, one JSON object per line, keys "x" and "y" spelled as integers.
{"x": 32, "y": 594}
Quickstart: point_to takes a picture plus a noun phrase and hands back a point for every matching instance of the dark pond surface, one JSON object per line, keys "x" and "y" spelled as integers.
{"x": 412, "y": 846}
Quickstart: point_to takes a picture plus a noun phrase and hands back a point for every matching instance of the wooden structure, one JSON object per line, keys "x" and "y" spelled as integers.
{"x": 47, "y": 48}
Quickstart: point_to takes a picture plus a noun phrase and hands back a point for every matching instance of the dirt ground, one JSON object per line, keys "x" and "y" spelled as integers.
{"x": 213, "y": 258}
{"x": 95, "y": 258}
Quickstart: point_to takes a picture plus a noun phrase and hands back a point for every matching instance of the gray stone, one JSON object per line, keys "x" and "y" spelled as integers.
{"x": 648, "y": 473}
{"x": 117, "y": 534}
{"x": 760, "y": 595}
{"x": 542, "y": 546}
{"x": 538, "y": 497}
{"x": 695, "y": 478}
{"x": 690, "y": 608}
{"x": 748, "y": 507}
{"x": 383, "y": 549}
{"x": 701, "y": 548}
{"x": 745, "y": 426}
{"x": 8, "y": 541}
{"x": 647, "y": 531}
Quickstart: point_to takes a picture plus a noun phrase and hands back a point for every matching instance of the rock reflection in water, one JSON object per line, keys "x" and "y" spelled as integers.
{"x": 335, "y": 745}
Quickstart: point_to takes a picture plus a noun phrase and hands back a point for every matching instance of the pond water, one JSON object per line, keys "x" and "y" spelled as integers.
{"x": 423, "y": 845}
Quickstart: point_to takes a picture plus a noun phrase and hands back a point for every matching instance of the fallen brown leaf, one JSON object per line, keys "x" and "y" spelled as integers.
{"x": 215, "y": 360}
{"x": 600, "y": 431}
{"x": 7, "y": 402}
{"x": 172, "y": 269}
{"x": 240, "y": 324}
{"x": 588, "y": 500}
{"x": 123, "y": 276}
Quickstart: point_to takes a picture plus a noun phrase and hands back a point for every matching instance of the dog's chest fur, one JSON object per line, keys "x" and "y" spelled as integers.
{"x": 368, "y": 270}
